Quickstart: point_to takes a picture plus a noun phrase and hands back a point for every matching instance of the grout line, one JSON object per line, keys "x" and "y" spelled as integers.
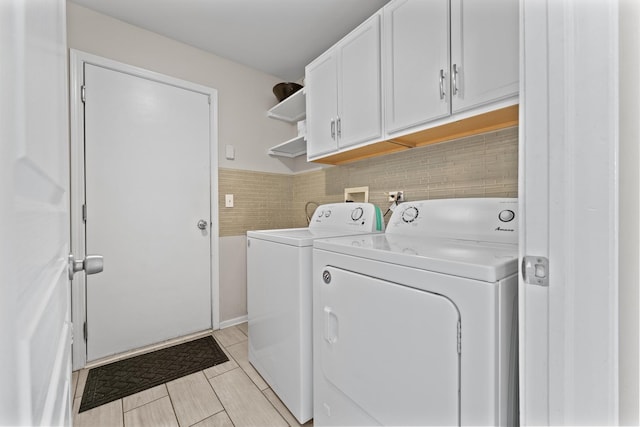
{"x": 146, "y": 403}
{"x": 172, "y": 405}
{"x": 224, "y": 409}
{"x": 274, "y": 406}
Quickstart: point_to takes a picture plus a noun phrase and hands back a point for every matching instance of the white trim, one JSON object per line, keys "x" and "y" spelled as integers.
{"x": 569, "y": 211}
{"x": 77, "y": 59}
{"x": 233, "y": 322}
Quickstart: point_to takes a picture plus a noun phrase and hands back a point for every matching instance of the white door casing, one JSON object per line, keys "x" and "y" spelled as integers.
{"x": 140, "y": 87}
{"x": 35, "y": 322}
{"x": 569, "y": 212}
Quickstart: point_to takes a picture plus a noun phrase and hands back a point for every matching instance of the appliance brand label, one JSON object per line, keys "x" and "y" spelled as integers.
{"x": 504, "y": 229}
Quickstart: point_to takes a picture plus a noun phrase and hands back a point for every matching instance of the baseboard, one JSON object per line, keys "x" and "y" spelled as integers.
{"x": 233, "y": 322}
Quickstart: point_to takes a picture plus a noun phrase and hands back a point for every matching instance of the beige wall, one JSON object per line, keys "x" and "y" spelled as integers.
{"x": 267, "y": 194}
{"x": 244, "y": 94}
{"x": 478, "y": 166}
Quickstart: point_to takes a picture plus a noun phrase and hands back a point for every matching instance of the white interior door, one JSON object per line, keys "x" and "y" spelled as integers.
{"x": 569, "y": 213}
{"x": 147, "y": 187}
{"x": 35, "y": 327}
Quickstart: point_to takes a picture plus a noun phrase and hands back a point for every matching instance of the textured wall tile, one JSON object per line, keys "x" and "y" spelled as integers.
{"x": 477, "y": 166}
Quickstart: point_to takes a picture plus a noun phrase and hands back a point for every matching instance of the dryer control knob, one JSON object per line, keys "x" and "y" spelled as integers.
{"x": 410, "y": 214}
{"x": 506, "y": 215}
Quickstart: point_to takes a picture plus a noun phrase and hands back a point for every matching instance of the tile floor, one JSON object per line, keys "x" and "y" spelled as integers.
{"x": 229, "y": 394}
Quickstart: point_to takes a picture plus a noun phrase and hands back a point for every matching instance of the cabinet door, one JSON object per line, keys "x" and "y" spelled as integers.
{"x": 321, "y": 93}
{"x": 484, "y": 51}
{"x": 359, "y": 91}
{"x": 416, "y": 62}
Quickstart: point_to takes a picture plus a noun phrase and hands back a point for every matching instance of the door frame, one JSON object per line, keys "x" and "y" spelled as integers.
{"x": 77, "y": 59}
{"x": 569, "y": 212}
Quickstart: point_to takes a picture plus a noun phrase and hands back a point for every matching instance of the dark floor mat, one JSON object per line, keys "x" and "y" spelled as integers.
{"x": 119, "y": 379}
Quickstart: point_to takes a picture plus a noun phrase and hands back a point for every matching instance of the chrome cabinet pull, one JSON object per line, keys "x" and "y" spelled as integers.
{"x": 339, "y": 126}
{"x": 333, "y": 129}
{"x": 442, "y": 92}
{"x": 455, "y": 79}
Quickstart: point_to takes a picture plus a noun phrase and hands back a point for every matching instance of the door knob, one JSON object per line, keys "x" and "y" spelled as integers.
{"x": 92, "y": 264}
{"x": 202, "y": 224}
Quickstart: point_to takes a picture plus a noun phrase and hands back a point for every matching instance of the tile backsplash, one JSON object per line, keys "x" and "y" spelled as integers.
{"x": 478, "y": 166}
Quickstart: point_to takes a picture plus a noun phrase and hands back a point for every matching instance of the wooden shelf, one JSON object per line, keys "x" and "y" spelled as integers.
{"x": 291, "y": 110}
{"x": 292, "y": 148}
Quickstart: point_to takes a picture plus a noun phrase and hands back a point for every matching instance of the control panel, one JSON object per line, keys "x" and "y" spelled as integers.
{"x": 483, "y": 219}
{"x": 347, "y": 216}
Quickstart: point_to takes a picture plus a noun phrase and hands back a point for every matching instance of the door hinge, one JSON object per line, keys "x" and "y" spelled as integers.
{"x": 84, "y": 213}
{"x": 459, "y": 338}
{"x": 83, "y": 93}
{"x": 85, "y": 334}
{"x": 209, "y": 99}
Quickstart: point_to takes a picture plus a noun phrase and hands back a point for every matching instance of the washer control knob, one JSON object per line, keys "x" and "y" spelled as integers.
{"x": 357, "y": 213}
{"x": 506, "y": 215}
{"x": 326, "y": 277}
{"x": 410, "y": 214}
{"x": 327, "y": 214}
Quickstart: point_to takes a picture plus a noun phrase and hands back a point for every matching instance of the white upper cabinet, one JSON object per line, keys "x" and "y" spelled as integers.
{"x": 447, "y": 69}
{"x": 359, "y": 85}
{"x": 484, "y": 52}
{"x": 416, "y": 62}
{"x": 321, "y": 78}
{"x": 343, "y": 89}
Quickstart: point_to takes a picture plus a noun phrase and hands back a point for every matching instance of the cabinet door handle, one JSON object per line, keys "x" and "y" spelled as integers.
{"x": 455, "y": 79}
{"x": 442, "y": 92}
{"x": 339, "y": 127}
{"x": 333, "y": 129}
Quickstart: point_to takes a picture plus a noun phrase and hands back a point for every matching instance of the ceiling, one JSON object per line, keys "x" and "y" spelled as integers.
{"x": 278, "y": 37}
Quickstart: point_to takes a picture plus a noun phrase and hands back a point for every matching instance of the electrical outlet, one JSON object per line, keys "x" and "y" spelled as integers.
{"x": 396, "y": 196}
{"x": 228, "y": 200}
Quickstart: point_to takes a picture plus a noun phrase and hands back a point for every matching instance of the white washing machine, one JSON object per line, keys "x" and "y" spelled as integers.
{"x": 279, "y": 305}
{"x": 418, "y": 326}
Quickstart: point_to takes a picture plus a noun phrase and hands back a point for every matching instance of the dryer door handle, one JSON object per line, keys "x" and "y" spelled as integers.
{"x": 330, "y": 326}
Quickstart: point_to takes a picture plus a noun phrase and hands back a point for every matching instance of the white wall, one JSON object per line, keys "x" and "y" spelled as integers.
{"x": 244, "y": 94}
{"x": 629, "y": 274}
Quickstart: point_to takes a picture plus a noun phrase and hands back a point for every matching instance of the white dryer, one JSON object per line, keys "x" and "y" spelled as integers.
{"x": 279, "y": 305}
{"x": 418, "y": 326}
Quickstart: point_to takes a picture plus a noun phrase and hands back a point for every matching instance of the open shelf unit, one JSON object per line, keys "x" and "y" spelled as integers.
{"x": 291, "y": 110}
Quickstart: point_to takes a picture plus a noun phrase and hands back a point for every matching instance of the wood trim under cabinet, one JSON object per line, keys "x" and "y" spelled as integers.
{"x": 361, "y": 153}
{"x": 493, "y": 120}
{"x": 482, "y": 123}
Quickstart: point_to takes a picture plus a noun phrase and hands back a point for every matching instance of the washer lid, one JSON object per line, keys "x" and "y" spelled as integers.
{"x": 297, "y": 236}
{"x": 485, "y": 261}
